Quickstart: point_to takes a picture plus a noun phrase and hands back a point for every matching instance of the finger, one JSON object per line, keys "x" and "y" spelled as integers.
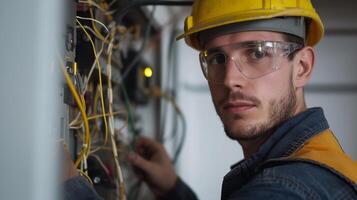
{"x": 140, "y": 162}
{"x": 147, "y": 145}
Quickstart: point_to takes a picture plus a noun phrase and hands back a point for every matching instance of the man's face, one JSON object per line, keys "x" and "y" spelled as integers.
{"x": 251, "y": 108}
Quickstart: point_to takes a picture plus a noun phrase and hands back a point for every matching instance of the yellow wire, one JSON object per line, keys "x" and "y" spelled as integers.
{"x": 93, "y": 24}
{"x": 121, "y": 149}
{"x": 86, "y": 176}
{"x": 83, "y": 113}
{"x": 83, "y": 102}
{"x": 105, "y": 6}
{"x": 107, "y": 115}
{"x": 94, "y": 33}
{"x": 75, "y": 67}
{"x": 98, "y": 33}
{"x": 95, "y": 106}
{"x": 121, "y": 183}
{"x": 100, "y": 80}
{"x": 157, "y": 92}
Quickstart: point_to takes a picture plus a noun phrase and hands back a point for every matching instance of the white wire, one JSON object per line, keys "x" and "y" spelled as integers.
{"x": 94, "y": 4}
{"x": 76, "y": 127}
{"x": 75, "y": 120}
{"x": 101, "y": 163}
{"x": 98, "y": 6}
{"x": 97, "y": 21}
{"x": 85, "y": 157}
{"x": 111, "y": 120}
{"x": 90, "y": 29}
{"x": 94, "y": 65}
{"x": 112, "y": 25}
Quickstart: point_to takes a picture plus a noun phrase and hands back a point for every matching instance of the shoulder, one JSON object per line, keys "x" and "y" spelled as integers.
{"x": 296, "y": 180}
{"x": 78, "y": 188}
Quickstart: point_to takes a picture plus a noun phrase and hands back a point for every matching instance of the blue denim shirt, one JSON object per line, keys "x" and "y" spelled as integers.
{"x": 255, "y": 178}
{"x": 78, "y": 188}
{"x": 251, "y": 179}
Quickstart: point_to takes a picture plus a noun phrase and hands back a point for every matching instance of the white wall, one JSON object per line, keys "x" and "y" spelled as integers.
{"x": 334, "y": 85}
{"x": 30, "y": 85}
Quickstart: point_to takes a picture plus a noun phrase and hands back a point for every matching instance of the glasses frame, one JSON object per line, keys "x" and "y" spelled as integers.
{"x": 287, "y": 48}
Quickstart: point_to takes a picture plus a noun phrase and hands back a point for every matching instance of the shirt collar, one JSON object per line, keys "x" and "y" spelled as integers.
{"x": 287, "y": 138}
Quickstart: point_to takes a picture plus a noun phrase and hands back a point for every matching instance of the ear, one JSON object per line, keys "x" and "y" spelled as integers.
{"x": 303, "y": 66}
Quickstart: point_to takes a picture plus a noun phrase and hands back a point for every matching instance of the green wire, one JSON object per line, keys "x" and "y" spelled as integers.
{"x": 130, "y": 113}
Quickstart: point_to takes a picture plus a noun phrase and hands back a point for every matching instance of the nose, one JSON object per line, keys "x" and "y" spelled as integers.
{"x": 233, "y": 77}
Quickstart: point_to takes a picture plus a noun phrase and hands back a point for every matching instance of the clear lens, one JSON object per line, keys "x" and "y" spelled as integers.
{"x": 203, "y": 63}
{"x": 252, "y": 59}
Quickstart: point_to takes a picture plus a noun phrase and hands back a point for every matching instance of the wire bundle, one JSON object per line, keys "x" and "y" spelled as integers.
{"x": 82, "y": 120}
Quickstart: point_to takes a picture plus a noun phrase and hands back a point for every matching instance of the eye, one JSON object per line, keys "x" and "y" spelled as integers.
{"x": 217, "y": 59}
{"x": 257, "y": 54}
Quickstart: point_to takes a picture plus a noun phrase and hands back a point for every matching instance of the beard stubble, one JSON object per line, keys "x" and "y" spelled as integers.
{"x": 279, "y": 111}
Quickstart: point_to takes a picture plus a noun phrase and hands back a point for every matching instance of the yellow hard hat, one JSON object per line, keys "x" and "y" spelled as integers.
{"x": 208, "y": 14}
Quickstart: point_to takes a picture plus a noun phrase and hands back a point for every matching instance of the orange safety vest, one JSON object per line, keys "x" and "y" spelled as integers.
{"x": 324, "y": 150}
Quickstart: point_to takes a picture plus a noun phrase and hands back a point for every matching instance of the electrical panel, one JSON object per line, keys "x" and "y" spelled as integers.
{"x": 111, "y": 91}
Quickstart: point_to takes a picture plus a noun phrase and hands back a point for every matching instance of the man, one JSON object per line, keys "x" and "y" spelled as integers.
{"x": 257, "y": 56}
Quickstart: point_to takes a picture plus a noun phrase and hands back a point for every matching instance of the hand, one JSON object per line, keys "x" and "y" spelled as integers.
{"x": 155, "y": 166}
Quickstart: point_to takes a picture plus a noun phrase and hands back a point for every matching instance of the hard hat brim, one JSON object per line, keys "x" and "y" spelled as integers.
{"x": 190, "y": 34}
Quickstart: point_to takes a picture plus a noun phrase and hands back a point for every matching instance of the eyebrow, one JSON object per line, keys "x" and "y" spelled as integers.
{"x": 215, "y": 50}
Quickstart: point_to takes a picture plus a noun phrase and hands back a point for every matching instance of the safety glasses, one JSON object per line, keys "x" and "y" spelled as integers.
{"x": 253, "y": 59}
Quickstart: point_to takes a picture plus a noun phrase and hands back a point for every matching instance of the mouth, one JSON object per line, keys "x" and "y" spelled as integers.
{"x": 238, "y": 107}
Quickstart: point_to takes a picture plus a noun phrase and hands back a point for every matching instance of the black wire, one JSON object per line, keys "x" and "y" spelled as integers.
{"x": 142, "y": 48}
{"x": 138, "y": 3}
{"x": 183, "y": 138}
{"x": 131, "y": 120}
{"x": 121, "y": 13}
{"x": 178, "y": 114}
{"x": 168, "y": 79}
{"x": 174, "y": 82}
